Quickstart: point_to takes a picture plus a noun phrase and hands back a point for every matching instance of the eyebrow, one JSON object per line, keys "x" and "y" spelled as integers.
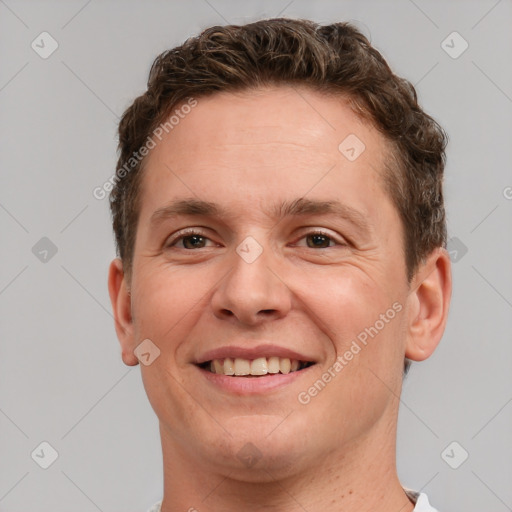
{"x": 297, "y": 207}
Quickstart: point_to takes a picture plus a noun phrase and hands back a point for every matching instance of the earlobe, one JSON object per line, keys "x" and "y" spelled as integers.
{"x": 428, "y": 305}
{"x": 121, "y": 307}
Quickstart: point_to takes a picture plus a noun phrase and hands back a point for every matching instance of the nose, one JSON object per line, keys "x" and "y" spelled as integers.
{"x": 251, "y": 293}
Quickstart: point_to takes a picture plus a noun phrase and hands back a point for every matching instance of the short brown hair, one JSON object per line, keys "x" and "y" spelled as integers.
{"x": 334, "y": 59}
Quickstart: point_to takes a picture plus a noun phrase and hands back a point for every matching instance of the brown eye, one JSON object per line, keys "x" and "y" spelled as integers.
{"x": 194, "y": 242}
{"x": 321, "y": 239}
{"x": 318, "y": 240}
{"x": 189, "y": 239}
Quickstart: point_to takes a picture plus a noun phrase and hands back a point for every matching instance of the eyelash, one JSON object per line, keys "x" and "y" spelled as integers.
{"x": 194, "y": 232}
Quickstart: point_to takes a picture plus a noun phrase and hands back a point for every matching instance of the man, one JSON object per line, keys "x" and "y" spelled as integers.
{"x": 279, "y": 219}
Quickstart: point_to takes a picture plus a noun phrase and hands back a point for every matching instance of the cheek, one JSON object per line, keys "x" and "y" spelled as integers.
{"x": 364, "y": 378}
{"x": 346, "y": 303}
{"x": 167, "y": 303}
{"x": 363, "y": 325}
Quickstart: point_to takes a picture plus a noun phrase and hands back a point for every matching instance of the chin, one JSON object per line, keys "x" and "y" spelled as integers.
{"x": 260, "y": 448}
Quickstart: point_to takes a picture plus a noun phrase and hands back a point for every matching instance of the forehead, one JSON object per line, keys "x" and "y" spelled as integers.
{"x": 268, "y": 145}
{"x": 283, "y": 115}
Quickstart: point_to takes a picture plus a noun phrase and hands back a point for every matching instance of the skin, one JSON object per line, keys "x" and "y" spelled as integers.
{"x": 246, "y": 152}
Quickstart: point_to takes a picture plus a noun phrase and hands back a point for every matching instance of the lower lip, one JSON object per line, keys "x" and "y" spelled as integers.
{"x": 253, "y": 385}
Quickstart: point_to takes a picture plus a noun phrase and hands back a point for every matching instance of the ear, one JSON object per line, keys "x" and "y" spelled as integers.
{"x": 428, "y": 304}
{"x": 121, "y": 307}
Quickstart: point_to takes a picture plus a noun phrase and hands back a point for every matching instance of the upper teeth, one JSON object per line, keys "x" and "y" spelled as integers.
{"x": 259, "y": 366}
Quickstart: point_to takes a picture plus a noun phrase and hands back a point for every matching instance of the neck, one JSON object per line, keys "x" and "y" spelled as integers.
{"x": 358, "y": 477}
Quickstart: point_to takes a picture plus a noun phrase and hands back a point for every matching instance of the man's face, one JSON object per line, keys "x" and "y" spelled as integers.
{"x": 248, "y": 282}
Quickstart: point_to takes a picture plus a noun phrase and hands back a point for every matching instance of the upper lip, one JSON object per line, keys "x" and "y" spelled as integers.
{"x": 251, "y": 353}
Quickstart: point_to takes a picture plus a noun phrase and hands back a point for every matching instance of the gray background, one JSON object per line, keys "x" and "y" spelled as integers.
{"x": 61, "y": 376}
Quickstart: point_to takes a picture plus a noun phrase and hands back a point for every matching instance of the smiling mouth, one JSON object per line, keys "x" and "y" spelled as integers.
{"x": 259, "y": 367}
